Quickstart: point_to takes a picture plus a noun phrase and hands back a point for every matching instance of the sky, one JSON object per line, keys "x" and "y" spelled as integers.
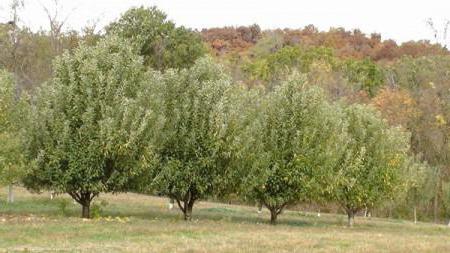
{"x": 400, "y": 20}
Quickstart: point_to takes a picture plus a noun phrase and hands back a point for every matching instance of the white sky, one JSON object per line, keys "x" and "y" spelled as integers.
{"x": 401, "y": 20}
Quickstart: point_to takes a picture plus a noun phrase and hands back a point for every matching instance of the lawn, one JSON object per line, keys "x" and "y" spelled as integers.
{"x": 138, "y": 223}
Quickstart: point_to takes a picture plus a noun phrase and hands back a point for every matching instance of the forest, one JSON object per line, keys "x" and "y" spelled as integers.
{"x": 333, "y": 121}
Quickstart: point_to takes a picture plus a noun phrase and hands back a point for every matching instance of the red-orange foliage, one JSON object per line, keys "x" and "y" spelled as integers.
{"x": 396, "y": 105}
{"x": 347, "y": 44}
{"x": 231, "y": 39}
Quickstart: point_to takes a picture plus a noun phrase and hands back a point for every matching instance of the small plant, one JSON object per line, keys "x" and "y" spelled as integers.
{"x": 97, "y": 210}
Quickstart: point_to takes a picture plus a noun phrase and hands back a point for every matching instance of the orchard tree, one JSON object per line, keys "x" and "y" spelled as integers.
{"x": 370, "y": 168}
{"x": 158, "y": 40}
{"x": 292, "y": 146}
{"x": 418, "y": 179}
{"x": 194, "y": 157}
{"x": 88, "y": 132}
{"x": 12, "y": 111}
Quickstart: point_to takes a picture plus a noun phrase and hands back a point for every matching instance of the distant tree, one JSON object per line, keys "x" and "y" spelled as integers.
{"x": 87, "y": 133}
{"x": 231, "y": 39}
{"x": 275, "y": 67}
{"x": 158, "y": 40}
{"x": 388, "y": 50}
{"x": 12, "y": 111}
{"x": 270, "y": 42}
{"x": 28, "y": 54}
{"x": 371, "y": 165}
{"x": 291, "y": 147}
{"x": 365, "y": 74}
{"x": 397, "y": 106}
{"x": 418, "y": 176}
{"x": 427, "y": 79}
{"x": 56, "y": 25}
{"x": 194, "y": 159}
{"x": 421, "y": 48}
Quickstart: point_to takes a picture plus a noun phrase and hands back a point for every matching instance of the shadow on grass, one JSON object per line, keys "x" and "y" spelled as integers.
{"x": 41, "y": 206}
{"x": 228, "y": 215}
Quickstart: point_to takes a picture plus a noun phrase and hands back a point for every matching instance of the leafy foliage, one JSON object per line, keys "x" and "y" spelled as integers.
{"x": 193, "y": 140}
{"x": 159, "y": 41}
{"x": 88, "y": 130}
{"x": 366, "y": 74}
{"x": 370, "y": 168}
{"x": 292, "y": 146}
{"x": 12, "y": 111}
{"x": 274, "y": 66}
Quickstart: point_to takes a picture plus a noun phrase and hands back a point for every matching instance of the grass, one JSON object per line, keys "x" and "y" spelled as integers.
{"x": 138, "y": 223}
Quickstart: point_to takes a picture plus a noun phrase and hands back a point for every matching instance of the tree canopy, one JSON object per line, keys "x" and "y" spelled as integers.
{"x": 89, "y": 132}
{"x": 370, "y": 168}
{"x": 292, "y": 146}
{"x": 13, "y": 109}
{"x": 192, "y": 148}
{"x": 158, "y": 40}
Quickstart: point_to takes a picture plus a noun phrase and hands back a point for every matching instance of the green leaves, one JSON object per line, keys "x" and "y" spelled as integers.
{"x": 157, "y": 40}
{"x": 283, "y": 62}
{"x": 365, "y": 73}
{"x": 292, "y": 145}
{"x": 371, "y": 166}
{"x": 13, "y": 110}
{"x": 89, "y": 129}
{"x": 190, "y": 144}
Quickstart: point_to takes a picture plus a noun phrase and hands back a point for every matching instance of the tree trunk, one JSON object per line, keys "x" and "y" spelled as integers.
{"x": 10, "y": 194}
{"x": 435, "y": 208}
{"x": 86, "y": 211}
{"x": 436, "y": 198}
{"x": 351, "y": 218}
{"x": 274, "y": 212}
{"x": 187, "y": 204}
{"x": 188, "y": 214}
{"x": 415, "y": 215}
{"x": 273, "y": 216}
{"x": 84, "y": 199}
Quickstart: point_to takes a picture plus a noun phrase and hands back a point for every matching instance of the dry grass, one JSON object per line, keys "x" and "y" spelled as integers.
{"x": 143, "y": 224}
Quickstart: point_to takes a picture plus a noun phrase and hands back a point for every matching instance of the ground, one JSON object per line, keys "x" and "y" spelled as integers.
{"x": 138, "y": 223}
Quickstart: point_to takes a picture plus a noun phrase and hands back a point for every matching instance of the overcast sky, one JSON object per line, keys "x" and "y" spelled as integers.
{"x": 394, "y": 19}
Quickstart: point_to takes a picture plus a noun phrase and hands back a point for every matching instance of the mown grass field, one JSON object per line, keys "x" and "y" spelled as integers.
{"x": 138, "y": 223}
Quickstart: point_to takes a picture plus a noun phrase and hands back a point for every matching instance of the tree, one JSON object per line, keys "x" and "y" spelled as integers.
{"x": 28, "y": 54}
{"x": 159, "y": 41}
{"x": 396, "y": 106}
{"x": 417, "y": 178}
{"x": 12, "y": 110}
{"x": 427, "y": 79}
{"x": 88, "y": 128}
{"x": 56, "y": 25}
{"x": 371, "y": 164}
{"x": 291, "y": 147}
{"x": 276, "y": 66}
{"x": 194, "y": 157}
{"x": 366, "y": 74}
